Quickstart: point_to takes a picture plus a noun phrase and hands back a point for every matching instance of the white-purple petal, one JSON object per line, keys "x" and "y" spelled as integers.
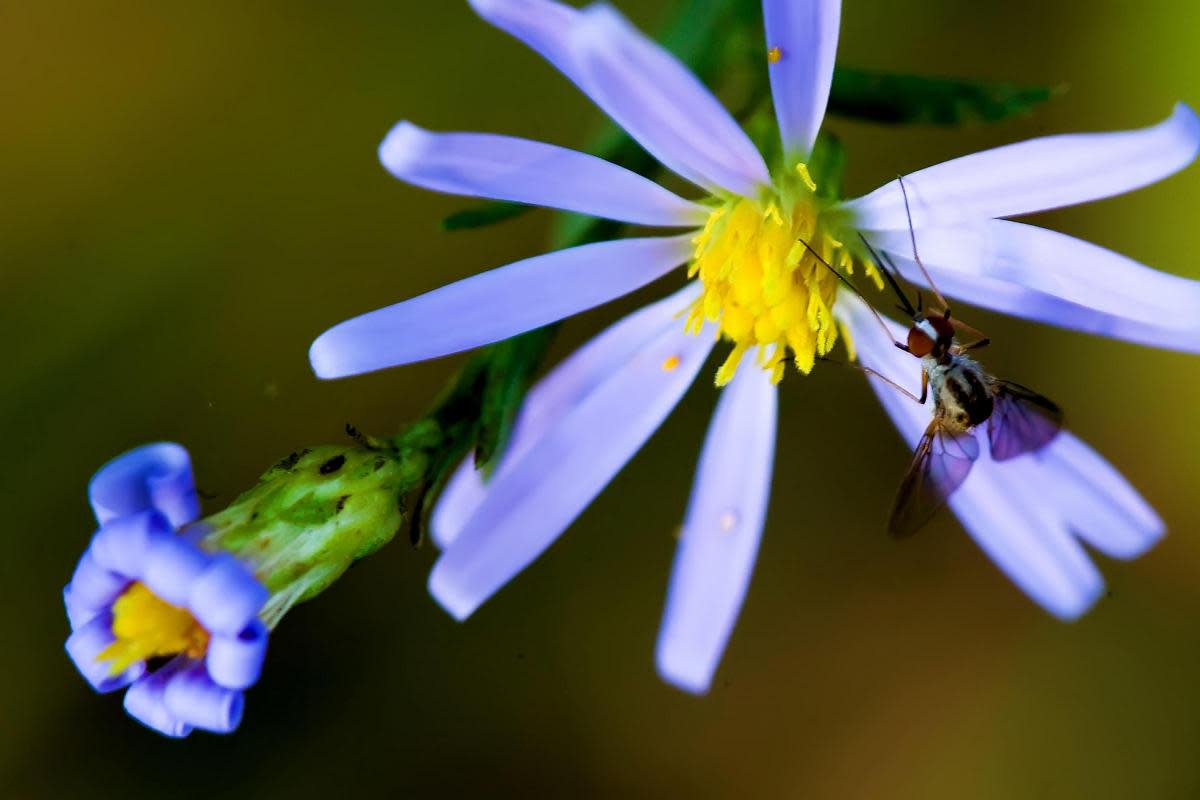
{"x": 1050, "y": 277}
{"x": 146, "y": 700}
{"x": 524, "y": 171}
{"x": 1104, "y": 509}
{"x": 543, "y": 25}
{"x": 495, "y": 305}
{"x": 1006, "y": 507}
{"x": 1035, "y": 175}
{"x": 661, "y": 104}
{"x": 551, "y": 399}
{"x": 190, "y": 696}
{"x": 87, "y": 642}
{"x": 92, "y": 589}
{"x": 526, "y": 509}
{"x": 235, "y": 662}
{"x": 122, "y": 544}
{"x": 172, "y": 566}
{"x": 716, "y": 554}
{"x": 226, "y": 597}
{"x": 154, "y": 476}
{"x": 802, "y": 35}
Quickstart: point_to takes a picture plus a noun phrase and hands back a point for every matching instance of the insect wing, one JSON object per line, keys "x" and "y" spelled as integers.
{"x": 940, "y": 464}
{"x": 1022, "y": 421}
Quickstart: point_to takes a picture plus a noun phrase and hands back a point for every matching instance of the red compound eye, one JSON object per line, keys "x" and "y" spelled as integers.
{"x": 919, "y": 343}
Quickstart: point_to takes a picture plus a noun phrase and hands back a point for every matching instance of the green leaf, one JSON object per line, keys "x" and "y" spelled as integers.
{"x": 483, "y": 215}
{"x": 906, "y": 99}
{"x": 510, "y": 369}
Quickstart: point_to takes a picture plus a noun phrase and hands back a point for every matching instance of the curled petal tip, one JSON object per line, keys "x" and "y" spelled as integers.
{"x": 226, "y": 597}
{"x": 191, "y": 697}
{"x": 154, "y": 476}
{"x": 172, "y": 566}
{"x": 145, "y": 702}
{"x": 85, "y": 644}
{"x": 235, "y": 662}
{"x": 121, "y": 545}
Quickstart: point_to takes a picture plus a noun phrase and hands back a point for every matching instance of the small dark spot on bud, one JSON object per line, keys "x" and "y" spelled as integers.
{"x": 254, "y": 516}
{"x": 341, "y": 503}
{"x": 379, "y": 463}
{"x": 332, "y": 465}
{"x": 289, "y": 462}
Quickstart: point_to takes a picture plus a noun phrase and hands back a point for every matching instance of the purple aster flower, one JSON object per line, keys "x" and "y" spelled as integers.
{"x": 752, "y": 247}
{"x": 143, "y": 592}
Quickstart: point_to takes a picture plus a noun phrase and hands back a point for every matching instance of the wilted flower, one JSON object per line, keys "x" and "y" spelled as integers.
{"x": 752, "y": 249}
{"x": 144, "y": 592}
{"x": 178, "y": 609}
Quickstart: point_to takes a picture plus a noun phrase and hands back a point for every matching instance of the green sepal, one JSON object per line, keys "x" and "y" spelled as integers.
{"x": 314, "y": 513}
{"x": 483, "y": 215}
{"x": 908, "y": 99}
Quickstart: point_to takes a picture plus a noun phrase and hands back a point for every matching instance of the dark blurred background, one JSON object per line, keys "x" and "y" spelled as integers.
{"x": 191, "y": 194}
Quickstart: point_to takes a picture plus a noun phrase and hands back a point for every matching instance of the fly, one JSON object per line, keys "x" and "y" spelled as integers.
{"x": 965, "y": 396}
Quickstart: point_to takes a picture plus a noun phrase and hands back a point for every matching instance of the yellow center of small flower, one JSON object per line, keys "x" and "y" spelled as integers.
{"x": 764, "y": 286}
{"x": 146, "y": 626}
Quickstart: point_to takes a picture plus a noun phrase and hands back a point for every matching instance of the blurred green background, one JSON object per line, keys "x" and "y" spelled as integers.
{"x": 191, "y": 194}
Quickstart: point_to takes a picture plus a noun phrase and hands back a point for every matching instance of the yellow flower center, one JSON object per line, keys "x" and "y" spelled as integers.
{"x": 146, "y": 626}
{"x": 764, "y": 286}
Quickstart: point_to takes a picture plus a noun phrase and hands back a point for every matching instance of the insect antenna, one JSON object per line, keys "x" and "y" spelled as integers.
{"x": 887, "y": 331}
{"x": 885, "y": 262}
{"x": 912, "y": 235}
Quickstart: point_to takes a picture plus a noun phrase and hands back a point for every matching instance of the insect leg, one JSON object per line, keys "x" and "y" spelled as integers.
{"x": 959, "y": 325}
{"x": 889, "y": 381}
{"x": 978, "y": 344}
{"x": 912, "y": 235}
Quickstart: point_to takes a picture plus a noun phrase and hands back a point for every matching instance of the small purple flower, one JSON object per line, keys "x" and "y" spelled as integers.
{"x": 756, "y": 288}
{"x": 144, "y": 592}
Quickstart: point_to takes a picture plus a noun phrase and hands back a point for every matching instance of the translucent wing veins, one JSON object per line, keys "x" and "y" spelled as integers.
{"x": 940, "y": 464}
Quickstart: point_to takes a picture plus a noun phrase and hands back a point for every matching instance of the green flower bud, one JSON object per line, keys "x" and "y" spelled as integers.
{"x": 312, "y": 515}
